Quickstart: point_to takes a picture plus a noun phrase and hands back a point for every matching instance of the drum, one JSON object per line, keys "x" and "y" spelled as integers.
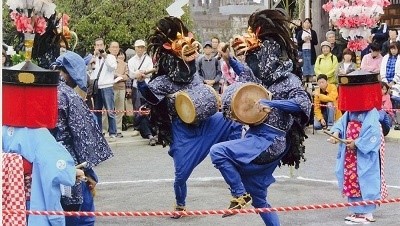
{"x": 239, "y": 102}
{"x": 197, "y": 103}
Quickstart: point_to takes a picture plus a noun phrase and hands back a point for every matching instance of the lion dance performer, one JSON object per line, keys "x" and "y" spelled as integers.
{"x": 174, "y": 50}
{"x": 360, "y": 161}
{"x": 247, "y": 164}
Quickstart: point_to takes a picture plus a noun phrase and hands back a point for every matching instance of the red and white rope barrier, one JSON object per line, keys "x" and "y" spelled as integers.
{"x": 147, "y": 112}
{"x": 122, "y": 111}
{"x": 202, "y": 212}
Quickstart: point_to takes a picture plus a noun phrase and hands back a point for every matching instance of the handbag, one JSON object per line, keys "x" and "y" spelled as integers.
{"x": 93, "y": 87}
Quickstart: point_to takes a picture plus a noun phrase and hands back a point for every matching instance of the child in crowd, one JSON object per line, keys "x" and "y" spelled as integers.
{"x": 386, "y": 102}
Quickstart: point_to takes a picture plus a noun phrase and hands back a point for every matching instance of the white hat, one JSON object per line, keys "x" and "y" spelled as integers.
{"x": 140, "y": 42}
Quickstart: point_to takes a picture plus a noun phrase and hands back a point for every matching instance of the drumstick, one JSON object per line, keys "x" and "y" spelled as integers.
{"x": 149, "y": 72}
{"x": 82, "y": 165}
{"x": 331, "y": 135}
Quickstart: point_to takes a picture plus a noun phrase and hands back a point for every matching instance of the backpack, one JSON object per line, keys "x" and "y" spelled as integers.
{"x": 319, "y": 62}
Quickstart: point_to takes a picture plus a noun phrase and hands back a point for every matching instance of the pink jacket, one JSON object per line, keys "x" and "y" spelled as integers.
{"x": 228, "y": 73}
{"x": 387, "y": 104}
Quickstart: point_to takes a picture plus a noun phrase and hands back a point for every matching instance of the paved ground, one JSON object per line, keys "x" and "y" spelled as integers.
{"x": 140, "y": 178}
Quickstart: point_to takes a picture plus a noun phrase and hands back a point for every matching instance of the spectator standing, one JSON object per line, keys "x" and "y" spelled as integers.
{"x": 228, "y": 74}
{"x": 336, "y": 47}
{"x": 139, "y": 65}
{"x": 209, "y": 67}
{"x": 105, "y": 65}
{"x": 325, "y": 103}
{"x": 393, "y": 33}
{"x": 326, "y": 63}
{"x": 380, "y": 33}
{"x": 215, "y": 44}
{"x": 372, "y": 61}
{"x": 121, "y": 74}
{"x": 306, "y": 41}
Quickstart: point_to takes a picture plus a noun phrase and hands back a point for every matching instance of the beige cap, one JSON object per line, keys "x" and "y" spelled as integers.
{"x": 140, "y": 42}
{"x": 325, "y": 43}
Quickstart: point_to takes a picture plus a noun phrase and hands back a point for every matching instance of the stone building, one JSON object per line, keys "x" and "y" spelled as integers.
{"x": 221, "y": 18}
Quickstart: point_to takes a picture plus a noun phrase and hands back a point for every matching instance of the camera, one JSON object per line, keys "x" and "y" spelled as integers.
{"x": 101, "y": 51}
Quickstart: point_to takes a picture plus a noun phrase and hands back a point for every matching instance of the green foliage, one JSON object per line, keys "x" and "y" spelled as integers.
{"x": 17, "y": 58}
{"x": 10, "y": 35}
{"x": 123, "y": 21}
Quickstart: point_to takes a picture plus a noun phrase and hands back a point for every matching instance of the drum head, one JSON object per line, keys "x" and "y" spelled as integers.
{"x": 185, "y": 107}
{"x": 244, "y": 102}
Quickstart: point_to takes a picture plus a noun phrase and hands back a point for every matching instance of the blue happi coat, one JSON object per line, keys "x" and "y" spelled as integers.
{"x": 52, "y": 166}
{"x": 368, "y": 145}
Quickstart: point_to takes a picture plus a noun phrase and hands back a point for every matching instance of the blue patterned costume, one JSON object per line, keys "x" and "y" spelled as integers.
{"x": 174, "y": 50}
{"x": 247, "y": 164}
{"x": 77, "y": 130}
{"x": 190, "y": 143}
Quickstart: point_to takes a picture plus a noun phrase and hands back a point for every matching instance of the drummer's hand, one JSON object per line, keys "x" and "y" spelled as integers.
{"x": 209, "y": 82}
{"x": 350, "y": 143}
{"x": 140, "y": 77}
{"x": 263, "y": 107}
{"x": 224, "y": 55}
{"x": 80, "y": 175}
{"x": 333, "y": 140}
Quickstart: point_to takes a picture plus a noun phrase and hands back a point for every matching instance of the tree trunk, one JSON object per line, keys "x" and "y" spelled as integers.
{"x": 320, "y": 21}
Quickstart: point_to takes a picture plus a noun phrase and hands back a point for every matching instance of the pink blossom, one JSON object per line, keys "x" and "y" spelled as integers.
{"x": 328, "y": 6}
{"x": 15, "y": 15}
{"x": 342, "y": 3}
{"x": 386, "y": 3}
{"x": 357, "y": 44}
{"x": 40, "y": 25}
{"x": 65, "y": 20}
{"x": 369, "y": 3}
{"x": 25, "y": 24}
